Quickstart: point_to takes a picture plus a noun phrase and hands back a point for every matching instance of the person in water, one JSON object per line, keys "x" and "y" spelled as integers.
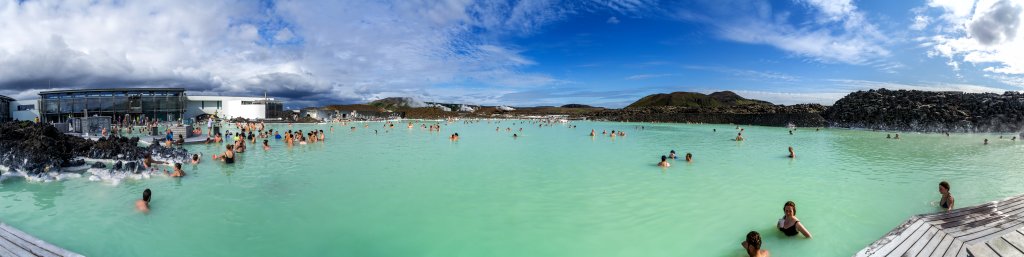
{"x": 739, "y": 136}
{"x": 143, "y": 204}
{"x": 689, "y": 157}
{"x": 888, "y": 136}
{"x": 228, "y": 156}
{"x": 672, "y": 154}
{"x": 266, "y": 145}
{"x": 753, "y": 245}
{"x": 791, "y": 153}
{"x": 897, "y": 136}
{"x": 789, "y": 224}
{"x": 947, "y": 199}
{"x": 177, "y": 171}
{"x": 195, "y": 159}
{"x": 664, "y": 162}
{"x": 986, "y": 141}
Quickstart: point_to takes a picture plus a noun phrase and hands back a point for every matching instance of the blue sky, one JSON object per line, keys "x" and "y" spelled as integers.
{"x": 530, "y": 52}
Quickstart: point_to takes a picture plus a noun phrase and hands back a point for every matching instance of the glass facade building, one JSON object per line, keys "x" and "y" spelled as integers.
{"x": 5, "y": 108}
{"x": 123, "y": 104}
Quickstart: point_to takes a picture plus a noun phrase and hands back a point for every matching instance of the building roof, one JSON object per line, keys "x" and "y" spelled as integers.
{"x": 5, "y": 98}
{"x": 133, "y": 89}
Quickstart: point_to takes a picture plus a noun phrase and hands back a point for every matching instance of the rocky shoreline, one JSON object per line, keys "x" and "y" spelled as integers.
{"x": 37, "y": 149}
{"x": 929, "y": 111}
{"x": 803, "y": 115}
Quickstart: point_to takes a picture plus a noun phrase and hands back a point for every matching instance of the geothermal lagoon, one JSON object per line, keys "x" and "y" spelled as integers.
{"x": 551, "y": 191}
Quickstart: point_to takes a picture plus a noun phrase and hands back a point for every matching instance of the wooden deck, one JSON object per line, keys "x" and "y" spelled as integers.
{"x": 990, "y": 229}
{"x": 15, "y": 243}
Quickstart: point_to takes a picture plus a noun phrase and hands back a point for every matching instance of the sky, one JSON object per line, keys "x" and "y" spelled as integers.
{"x": 520, "y": 53}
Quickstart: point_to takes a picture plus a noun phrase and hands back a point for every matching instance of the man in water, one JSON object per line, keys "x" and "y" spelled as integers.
{"x": 143, "y": 204}
{"x": 672, "y": 154}
{"x": 791, "y": 154}
{"x": 266, "y": 145}
{"x": 195, "y": 159}
{"x": 739, "y": 136}
{"x": 689, "y": 157}
{"x": 664, "y": 162}
{"x": 986, "y": 141}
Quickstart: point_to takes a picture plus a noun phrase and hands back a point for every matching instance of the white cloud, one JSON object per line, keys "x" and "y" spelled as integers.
{"x": 612, "y": 20}
{"x": 853, "y": 84}
{"x": 838, "y": 33}
{"x": 920, "y": 22}
{"x": 648, "y": 76}
{"x": 987, "y": 35}
{"x": 308, "y": 49}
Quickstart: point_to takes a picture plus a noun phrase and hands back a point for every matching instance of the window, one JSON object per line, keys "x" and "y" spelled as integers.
{"x": 26, "y": 107}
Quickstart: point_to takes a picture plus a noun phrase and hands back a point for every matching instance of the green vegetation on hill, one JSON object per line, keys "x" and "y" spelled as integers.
{"x": 691, "y": 99}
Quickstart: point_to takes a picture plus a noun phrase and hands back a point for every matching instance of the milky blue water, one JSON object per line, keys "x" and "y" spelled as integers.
{"x": 553, "y": 191}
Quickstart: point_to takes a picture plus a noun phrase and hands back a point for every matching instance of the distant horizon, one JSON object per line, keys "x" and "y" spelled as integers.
{"x": 516, "y": 53}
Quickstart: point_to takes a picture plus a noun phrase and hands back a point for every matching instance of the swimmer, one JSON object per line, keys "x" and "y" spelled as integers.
{"x": 791, "y": 154}
{"x": 177, "y": 171}
{"x": 515, "y": 135}
{"x": 195, "y": 159}
{"x": 714, "y": 130}
{"x": 278, "y": 135}
{"x": 888, "y": 136}
{"x": 266, "y": 145}
{"x": 1014, "y": 138}
{"x": 789, "y": 224}
{"x": 946, "y": 202}
{"x": 143, "y": 204}
{"x": 689, "y": 157}
{"x": 753, "y": 245}
{"x": 790, "y": 132}
{"x": 228, "y": 156}
{"x": 592, "y": 132}
{"x": 986, "y": 141}
{"x": 672, "y": 154}
{"x": 897, "y": 136}
{"x": 664, "y": 162}
{"x": 739, "y": 136}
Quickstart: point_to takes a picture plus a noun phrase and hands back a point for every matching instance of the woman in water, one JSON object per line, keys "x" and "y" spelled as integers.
{"x": 739, "y": 136}
{"x": 791, "y": 154}
{"x": 664, "y": 162}
{"x": 947, "y": 199}
{"x": 177, "y": 171}
{"x": 753, "y": 245}
{"x": 789, "y": 224}
{"x": 195, "y": 159}
{"x": 228, "y": 156}
{"x": 266, "y": 145}
{"x": 689, "y": 157}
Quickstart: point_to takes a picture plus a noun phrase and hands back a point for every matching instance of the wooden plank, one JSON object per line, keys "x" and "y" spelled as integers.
{"x": 53, "y": 249}
{"x": 4, "y": 251}
{"x": 909, "y": 241}
{"x": 1016, "y": 239}
{"x": 971, "y": 219}
{"x": 992, "y": 232}
{"x": 18, "y": 251}
{"x": 981, "y": 250}
{"x": 955, "y": 249}
{"x": 1003, "y": 248}
{"x": 928, "y": 236}
{"x": 937, "y": 245}
{"x": 884, "y": 245}
{"x": 25, "y": 244}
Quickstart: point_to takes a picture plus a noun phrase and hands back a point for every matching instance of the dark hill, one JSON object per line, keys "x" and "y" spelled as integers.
{"x": 692, "y": 99}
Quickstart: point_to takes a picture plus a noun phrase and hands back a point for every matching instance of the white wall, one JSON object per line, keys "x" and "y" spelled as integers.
{"x": 230, "y": 107}
{"x": 29, "y": 115}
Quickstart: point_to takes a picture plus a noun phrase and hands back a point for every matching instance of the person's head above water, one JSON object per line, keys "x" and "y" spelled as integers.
{"x": 177, "y": 165}
{"x": 265, "y": 142}
{"x": 754, "y": 240}
{"x": 663, "y": 158}
{"x": 789, "y": 208}
{"x": 672, "y": 152}
{"x": 195, "y": 157}
{"x": 146, "y": 194}
{"x": 944, "y": 186}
